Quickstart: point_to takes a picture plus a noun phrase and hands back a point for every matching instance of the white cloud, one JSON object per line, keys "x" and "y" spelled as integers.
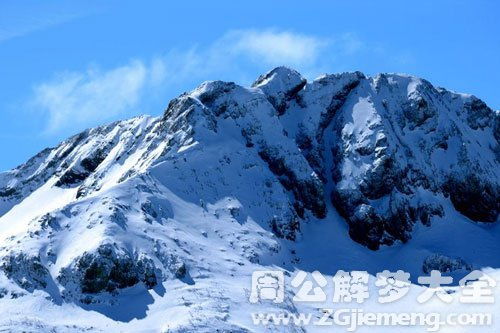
{"x": 236, "y": 52}
{"x": 274, "y": 47}
{"x": 241, "y": 55}
{"x": 83, "y": 98}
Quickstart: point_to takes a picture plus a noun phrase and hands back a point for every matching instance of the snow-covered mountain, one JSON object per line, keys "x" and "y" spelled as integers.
{"x": 158, "y": 223}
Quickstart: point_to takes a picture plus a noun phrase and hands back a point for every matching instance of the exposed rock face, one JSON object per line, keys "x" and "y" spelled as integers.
{"x": 474, "y": 197}
{"x": 308, "y": 192}
{"x": 444, "y": 264}
{"x": 107, "y": 270}
{"x": 84, "y": 169}
{"x": 27, "y": 271}
{"x": 281, "y": 85}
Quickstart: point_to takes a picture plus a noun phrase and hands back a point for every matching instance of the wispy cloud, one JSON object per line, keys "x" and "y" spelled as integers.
{"x": 17, "y": 21}
{"x": 86, "y": 97}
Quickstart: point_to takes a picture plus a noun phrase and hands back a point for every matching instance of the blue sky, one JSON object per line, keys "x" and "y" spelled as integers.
{"x": 66, "y": 66}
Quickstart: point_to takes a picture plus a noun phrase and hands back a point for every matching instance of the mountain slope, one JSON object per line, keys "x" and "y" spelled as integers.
{"x": 174, "y": 210}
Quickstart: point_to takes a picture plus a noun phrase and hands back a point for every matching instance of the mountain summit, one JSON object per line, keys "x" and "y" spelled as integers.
{"x": 344, "y": 172}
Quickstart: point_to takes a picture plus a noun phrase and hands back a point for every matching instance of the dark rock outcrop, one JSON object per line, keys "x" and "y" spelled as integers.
{"x": 109, "y": 269}
{"x": 27, "y": 271}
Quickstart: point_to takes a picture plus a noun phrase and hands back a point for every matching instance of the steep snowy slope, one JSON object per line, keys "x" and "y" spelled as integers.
{"x": 158, "y": 223}
{"x": 391, "y": 147}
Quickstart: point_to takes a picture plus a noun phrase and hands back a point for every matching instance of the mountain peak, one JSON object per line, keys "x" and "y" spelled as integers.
{"x": 280, "y": 85}
{"x": 282, "y": 75}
